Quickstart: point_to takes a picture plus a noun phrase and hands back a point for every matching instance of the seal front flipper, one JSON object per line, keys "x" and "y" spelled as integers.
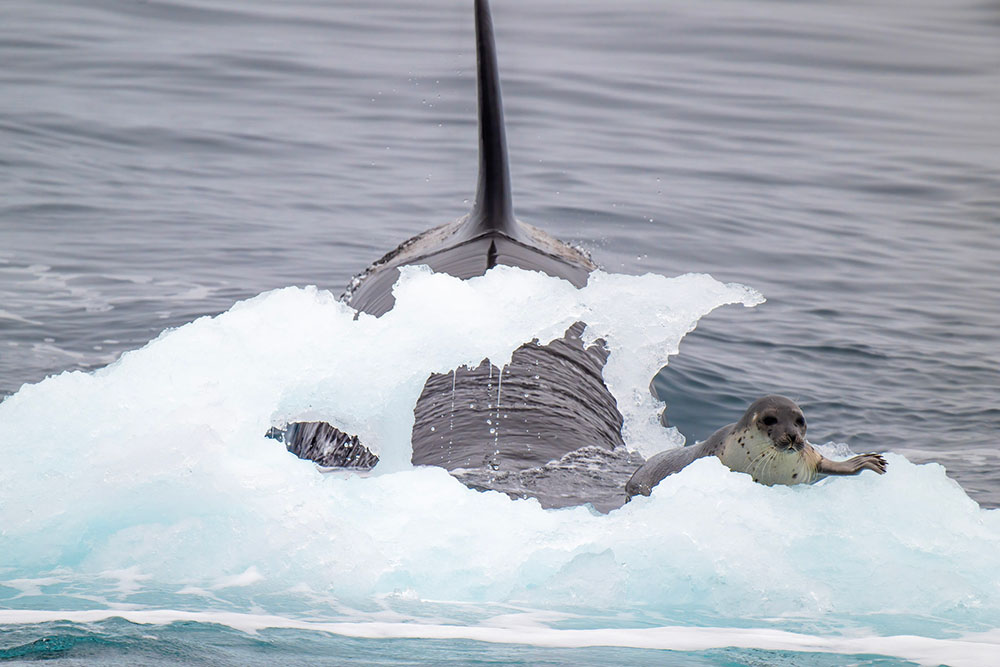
{"x": 659, "y": 466}
{"x": 670, "y": 461}
{"x": 852, "y": 466}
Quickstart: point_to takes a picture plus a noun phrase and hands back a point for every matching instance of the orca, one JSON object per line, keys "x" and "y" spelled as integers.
{"x": 563, "y": 416}
{"x": 489, "y": 234}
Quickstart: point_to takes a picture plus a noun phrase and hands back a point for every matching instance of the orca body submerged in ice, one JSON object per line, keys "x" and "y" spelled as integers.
{"x": 555, "y": 414}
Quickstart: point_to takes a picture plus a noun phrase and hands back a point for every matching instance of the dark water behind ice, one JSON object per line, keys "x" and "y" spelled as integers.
{"x": 161, "y": 160}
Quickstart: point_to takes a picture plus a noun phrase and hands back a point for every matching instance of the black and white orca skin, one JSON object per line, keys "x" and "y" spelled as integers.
{"x": 489, "y": 234}
{"x": 562, "y": 406}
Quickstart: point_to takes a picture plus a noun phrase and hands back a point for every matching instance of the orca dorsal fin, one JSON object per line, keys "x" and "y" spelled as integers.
{"x": 493, "y": 210}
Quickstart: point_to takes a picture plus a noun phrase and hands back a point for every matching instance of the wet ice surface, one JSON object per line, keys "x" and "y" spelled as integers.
{"x": 152, "y": 487}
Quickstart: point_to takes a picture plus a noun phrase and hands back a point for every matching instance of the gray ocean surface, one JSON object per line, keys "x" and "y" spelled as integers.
{"x": 161, "y": 160}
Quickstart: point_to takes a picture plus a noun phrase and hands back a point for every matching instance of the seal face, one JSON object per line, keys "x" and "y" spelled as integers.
{"x": 768, "y": 443}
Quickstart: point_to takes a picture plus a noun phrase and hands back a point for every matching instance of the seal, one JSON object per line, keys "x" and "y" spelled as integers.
{"x": 549, "y": 402}
{"x": 768, "y": 443}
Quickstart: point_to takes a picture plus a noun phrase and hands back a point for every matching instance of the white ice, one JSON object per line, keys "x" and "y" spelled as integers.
{"x": 149, "y": 484}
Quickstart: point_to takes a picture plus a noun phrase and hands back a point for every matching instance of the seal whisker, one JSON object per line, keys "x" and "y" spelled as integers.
{"x": 760, "y": 461}
{"x": 765, "y": 462}
{"x": 774, "y": 462}
{"x": 771, "y": 462}
{"x": 754, "y": 462}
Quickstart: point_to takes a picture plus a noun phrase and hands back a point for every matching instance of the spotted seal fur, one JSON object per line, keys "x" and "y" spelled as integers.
{"x": 768, "y": 443}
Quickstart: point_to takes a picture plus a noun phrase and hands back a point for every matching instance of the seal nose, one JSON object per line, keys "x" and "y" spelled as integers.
{"x": 790, "y": 440}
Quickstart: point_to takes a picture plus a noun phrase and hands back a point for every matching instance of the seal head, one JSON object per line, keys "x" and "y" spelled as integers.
{"x": 769, "y": 443}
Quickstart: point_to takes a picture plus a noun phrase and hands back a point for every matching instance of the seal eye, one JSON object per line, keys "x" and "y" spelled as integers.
{"x": 770, "y": 420}
{"x": 800, "y": 421}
